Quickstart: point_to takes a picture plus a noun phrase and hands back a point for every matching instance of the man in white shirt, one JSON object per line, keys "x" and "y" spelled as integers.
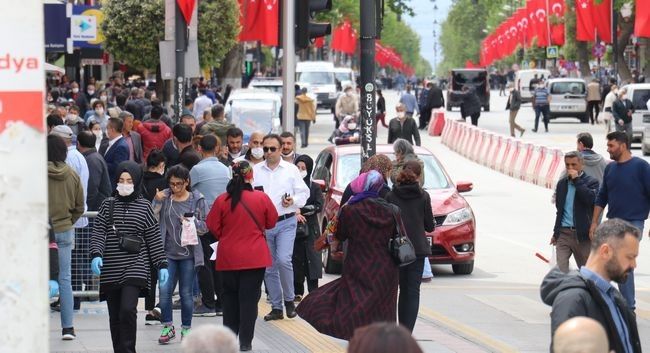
{"x": 283, "y": 184}
{"x": 201, "y": 103}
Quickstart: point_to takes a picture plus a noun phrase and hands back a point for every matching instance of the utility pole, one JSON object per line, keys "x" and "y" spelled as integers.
{"x": 181, "y": 38}
{"x": 288, "y": 64}
{"x": 369, "y": 32}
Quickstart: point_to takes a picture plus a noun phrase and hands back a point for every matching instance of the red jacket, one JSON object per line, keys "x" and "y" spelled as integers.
{"x": 242, "y": 245}
{"x": 154, "y": 135}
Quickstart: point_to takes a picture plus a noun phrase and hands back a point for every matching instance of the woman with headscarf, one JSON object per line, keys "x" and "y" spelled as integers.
{"x": 124, "y": 276}
{"x": 307, "y": 262}
{"x": 363, "y": 294}
{"x": 348, "y": 131}
{"x": 238, "y": 219}
{"x": 378, "y": 162}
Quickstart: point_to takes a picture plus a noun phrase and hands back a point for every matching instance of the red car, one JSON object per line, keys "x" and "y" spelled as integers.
{"x": 452, "y": 242}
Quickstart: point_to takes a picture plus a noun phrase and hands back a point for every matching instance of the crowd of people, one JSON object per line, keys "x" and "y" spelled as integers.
{"x": 187, "y": 205}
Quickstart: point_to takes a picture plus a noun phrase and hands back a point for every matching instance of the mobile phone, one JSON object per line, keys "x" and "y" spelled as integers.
{"x": 259, "y": 188}
{"x": 286, "y": 196}
{"x": 188, "y": 214}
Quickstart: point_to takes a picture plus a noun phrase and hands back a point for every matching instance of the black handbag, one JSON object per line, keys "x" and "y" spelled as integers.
{"x": 302, "y": 230}
{"x": 131, "y": 244}
{"x": 399, "y": 246}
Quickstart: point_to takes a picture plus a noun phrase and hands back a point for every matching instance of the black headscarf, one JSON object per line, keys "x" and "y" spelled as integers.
{"x": 135, "y": 171}
{"x": 310, "y": 166}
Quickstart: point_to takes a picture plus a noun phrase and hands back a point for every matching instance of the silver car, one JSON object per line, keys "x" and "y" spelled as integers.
{"x": 568, "y": 98}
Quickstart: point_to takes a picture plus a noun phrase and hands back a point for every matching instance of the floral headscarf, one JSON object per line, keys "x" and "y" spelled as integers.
{"x": 378, "y": 162}
{"x": 366, "y": 185}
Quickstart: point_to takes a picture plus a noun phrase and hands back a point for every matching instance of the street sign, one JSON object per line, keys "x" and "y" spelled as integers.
{"x": 552, "y": 52}
{"x": 598, "y": 50}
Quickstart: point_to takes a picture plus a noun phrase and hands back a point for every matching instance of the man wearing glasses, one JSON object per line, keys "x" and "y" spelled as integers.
{"x": 282, "y": 182}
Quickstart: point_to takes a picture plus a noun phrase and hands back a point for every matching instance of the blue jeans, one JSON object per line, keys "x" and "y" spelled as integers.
{"x": 65, "y": 241}
{"x": 544, "y": 110}
{"x": 183, "y": 270}
{"x": 627, "y": 287}
{"x": 279, "y": 277}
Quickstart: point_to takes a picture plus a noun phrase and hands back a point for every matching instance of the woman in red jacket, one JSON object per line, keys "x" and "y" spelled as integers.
{"x": 238, "y": 220}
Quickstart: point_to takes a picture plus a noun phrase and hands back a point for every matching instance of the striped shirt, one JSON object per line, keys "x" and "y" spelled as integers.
{"x": 121, "y": 268}
{"x": 541, "y": 96}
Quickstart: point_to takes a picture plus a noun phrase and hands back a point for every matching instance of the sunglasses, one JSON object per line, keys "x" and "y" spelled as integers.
{"x": 175, "y": 184}
{"x": 267, "y": 149}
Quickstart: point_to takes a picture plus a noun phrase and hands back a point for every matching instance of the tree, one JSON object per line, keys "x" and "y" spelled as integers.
{"x": 133, "y": 29}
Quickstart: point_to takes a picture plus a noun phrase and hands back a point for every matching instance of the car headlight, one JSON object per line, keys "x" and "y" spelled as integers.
{"x": 457, "y": 217}
{"x": 332, "y": 95}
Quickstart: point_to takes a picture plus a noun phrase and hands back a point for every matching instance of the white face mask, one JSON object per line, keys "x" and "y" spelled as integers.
{"x": 124, "y": 189}
{"x": 257, "y": 152}
{"x": 91, "y": 92}
{"x": 98, "y": 133}
{"x": 103, "y": 98}
{"x": 99, "y": 111}
{"x": 72, "y": 117}
{"x": 352, "y": 126}
{"x": 400, "y": 115}
{"x": 75, "y": 90}
{"x": 349, "y": 93}
{"x": 303, "y": 174}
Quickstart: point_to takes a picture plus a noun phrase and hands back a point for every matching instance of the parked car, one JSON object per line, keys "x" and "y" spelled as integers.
{"x": 522, "y": 79}
{"x": 568, "y": 98}
{"x": 477, "y": 78}
{"x": 453, "y": 240}
{"x": 273, "y": 84}
{"x": 639, "y": 94}
{"x": 254, "y": 110}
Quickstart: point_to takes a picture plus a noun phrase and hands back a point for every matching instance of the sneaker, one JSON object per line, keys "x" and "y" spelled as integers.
{"x": 275, "y": 314}
{"x": 156, "y": 311}
{"x": 184, "y": 332}
{"x": 245, "y": 347}
{"x": 297, "y": 299}
{"x": 168, "y": 333}
{"x": 55, "y": 306}
{"x": 67, "y": 334}
{"x": 203, "y": 311}
{"x": 151, "y": 320}
{"x": 290, "y": 307}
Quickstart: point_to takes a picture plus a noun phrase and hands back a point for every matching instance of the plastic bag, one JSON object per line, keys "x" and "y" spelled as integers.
{"x": 188, "y": 233}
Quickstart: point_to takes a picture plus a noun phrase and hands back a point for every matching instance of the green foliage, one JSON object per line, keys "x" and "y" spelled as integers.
{"x": 133, "y": 29}
{"x": 462, "y": 33}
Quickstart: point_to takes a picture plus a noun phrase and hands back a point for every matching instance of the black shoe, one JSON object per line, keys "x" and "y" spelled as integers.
{"x": 534, "y": 130}
{"x": 275, "y": 314}
{"x": 67, "y": 334}
{"x": 151, "y": 320}
{"x": 291, "y": 309}
{"x": 245, "y": 347}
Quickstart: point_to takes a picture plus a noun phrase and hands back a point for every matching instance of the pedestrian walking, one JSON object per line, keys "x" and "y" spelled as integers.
{"x": 608, "y": 102}
{"x": 404, "y": 153}
{"x": 154, "y": 132}
{"x": 513, "y": 105}
{"x": 124, "y": 271}
{"x": 176, "y": 207}
{"x": 306, "y": 115}
{"x": 282, "y": 182}
{"x": 415, "y": 205}
{"x": 626, "y": 193}
{"x": 425, "y": 114}
{"x": 622, "y": 110}
{"x": 403, "y": 126}
{"x": 383, "y": 337}
{"x": 66, "y": 205}
{"x": 307, "y": 262}
{"x": 99, "y": 185}
{"x": 410, "y": 103}
{"x": 346, "y": 104}
{"x": 235, "y": 144}
{"x": 210, "y": 177}
{"x": 132, "y": 138}
{"x": 583, "y": 333}
{"x": 614, "y": 249}
{"x": 574, "y": 203}
{"x": 381, "y": 109}
{"x": 239, "y": 220}
{"x": 255, "y": 153}
{"x": 380, "y": 163}
{"x": 594, "y": 163}
{"x": 470, "y": 103}
{"x": 541, "y": 105}
{"x": 593, "y": 100}
{"x": 114, "y": 148}
{"x": 363, "y": 294}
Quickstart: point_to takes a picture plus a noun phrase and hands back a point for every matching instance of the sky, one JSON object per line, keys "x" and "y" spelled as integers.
{"x": 422, "y": 24}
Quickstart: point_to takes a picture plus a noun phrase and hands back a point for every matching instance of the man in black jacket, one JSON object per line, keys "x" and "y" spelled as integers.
{"x": 403, "y": 127}
{"x": 589, "y": 293}
{"x": 576, "y": 194}
{"x": 471, "y": 103}
{"x": 435, "y": 99}
{"x": 99, "y": 184}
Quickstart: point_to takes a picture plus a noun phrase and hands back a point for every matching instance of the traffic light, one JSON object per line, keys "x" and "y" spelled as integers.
{"x": 306, "y": 29}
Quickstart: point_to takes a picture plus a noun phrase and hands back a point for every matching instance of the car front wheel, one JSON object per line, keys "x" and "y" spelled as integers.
{"x": 463, "y": 269}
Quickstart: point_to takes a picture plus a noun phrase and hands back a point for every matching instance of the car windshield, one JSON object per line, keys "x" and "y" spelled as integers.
{"x": 343, "y": 76}
{"x": 640, "y": 99}
{"x": 316, "y": 77}
{"x": 471, "y": 78}
{"x": 268, "y": 87}
{"x": 252, "y": 114}
{"x": 349, "y": 165}
{"x": 568, "y": 87}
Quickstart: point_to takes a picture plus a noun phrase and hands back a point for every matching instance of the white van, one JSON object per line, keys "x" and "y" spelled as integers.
{"x": 345, "y": 76}
{"x": 568, "y": 98}
{"x": 522, "y": 82}
{"x": 318, "y": 77}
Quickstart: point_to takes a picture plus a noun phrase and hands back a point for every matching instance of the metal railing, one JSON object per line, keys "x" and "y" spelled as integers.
{"x": 84, "y": 283}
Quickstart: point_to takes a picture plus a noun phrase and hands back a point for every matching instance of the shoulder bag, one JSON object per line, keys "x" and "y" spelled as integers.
{"x": 259, "y": 226}
{"x": 399, "y": 246}
{"x": 130, "y": 244}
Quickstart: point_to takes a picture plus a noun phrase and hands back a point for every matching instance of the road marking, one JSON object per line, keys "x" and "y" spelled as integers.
{"x": 303, "y": 333}
{"x": 520, "y": 307}
{"x": 467, "y": 331}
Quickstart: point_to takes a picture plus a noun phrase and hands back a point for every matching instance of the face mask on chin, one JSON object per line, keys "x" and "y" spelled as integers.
{"x": 287, "y": 155}
{"x": 124, "y": 189}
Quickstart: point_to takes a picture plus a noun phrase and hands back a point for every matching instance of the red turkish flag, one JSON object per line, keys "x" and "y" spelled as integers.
{"x": 642, "y": 19}
{"x": 532, "y": 20}
{"x": 557, "y": 9}
{"x": 319, "y": 42}
{"x": 602, "y": 18}
{"x": 344, "y": 38}
{"x": 541, "y": 22}
{"x": 584, "y": 21}
{"x": 187, "y": 8}
{"x": 259, "y": 21}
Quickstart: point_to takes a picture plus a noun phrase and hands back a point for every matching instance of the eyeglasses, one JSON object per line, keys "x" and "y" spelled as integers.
{"x": 175, "y": 184}
{"x": 267, "y": 149}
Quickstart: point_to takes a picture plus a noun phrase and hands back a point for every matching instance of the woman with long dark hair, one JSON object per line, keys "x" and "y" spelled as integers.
{"x": 175, "y": 206}
{"x": 238, "y": 219}
{"x": 124, "y": 275}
